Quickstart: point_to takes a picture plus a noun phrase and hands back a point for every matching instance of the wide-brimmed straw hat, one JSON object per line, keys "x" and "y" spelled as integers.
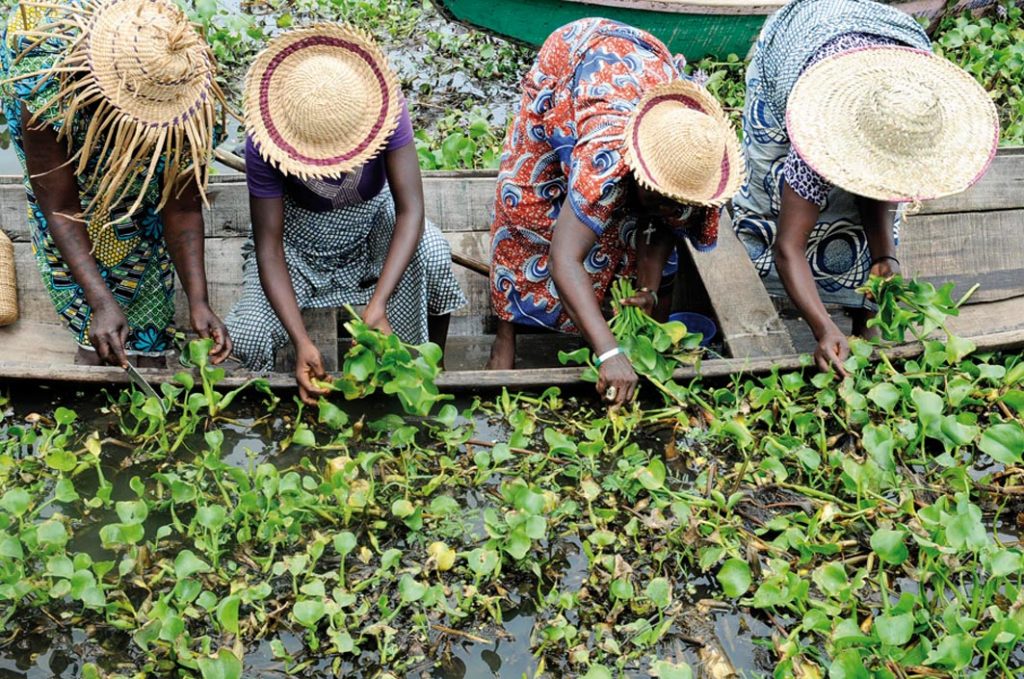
{"x": 140, "y": 79}
{"x": 893, "y": 123}
{"x": 320, "y": 101}
{"x": 680, "y": 144}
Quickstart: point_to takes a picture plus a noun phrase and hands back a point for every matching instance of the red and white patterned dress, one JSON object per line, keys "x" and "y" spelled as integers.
{"x": 566, "y": 142}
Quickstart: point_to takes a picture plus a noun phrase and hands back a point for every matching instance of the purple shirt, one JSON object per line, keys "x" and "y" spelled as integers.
{"x": 320, "y": 195}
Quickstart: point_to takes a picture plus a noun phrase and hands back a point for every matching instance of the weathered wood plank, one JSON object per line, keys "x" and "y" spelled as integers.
{"x": 478, "y": 379}
{"x": 746, "y": 315}
{"x": 1002, "y": 188}
{"x": 967, "y": 248}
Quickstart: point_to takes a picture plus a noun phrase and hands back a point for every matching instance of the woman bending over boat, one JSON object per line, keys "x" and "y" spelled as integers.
{"x": 848, "y": 113}
{"x": 613, "y": 155}
{"x": 111, "y": 106}
{"x": 336, "y": 202}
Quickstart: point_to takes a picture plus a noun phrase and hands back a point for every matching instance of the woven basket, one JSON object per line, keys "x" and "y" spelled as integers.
{"x": 8, "y": 282}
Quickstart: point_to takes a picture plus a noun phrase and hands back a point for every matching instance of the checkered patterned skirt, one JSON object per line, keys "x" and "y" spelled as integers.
{"x": 334, "y": 258}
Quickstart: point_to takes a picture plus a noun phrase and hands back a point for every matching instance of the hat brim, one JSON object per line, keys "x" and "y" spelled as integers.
{"x": 827, "y": 137}
{"x": 716, "y": 189}
{"x": 266, "y": 93}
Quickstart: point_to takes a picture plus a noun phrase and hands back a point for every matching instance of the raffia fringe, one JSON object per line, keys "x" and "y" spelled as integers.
{"x": 131, "y": 149}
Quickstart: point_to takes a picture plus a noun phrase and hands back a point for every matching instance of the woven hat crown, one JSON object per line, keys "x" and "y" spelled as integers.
{"x": 320, "y": 101}
{"x": 683, "y": 147}
{"x": 680, "y": 144}
{"x": 893, "y": 123}
{"x": 149, "y": 60}
{"x": 138, "y": 79}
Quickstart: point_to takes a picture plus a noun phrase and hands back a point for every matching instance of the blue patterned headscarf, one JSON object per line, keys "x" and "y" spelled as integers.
{"x": 792, "y": 35}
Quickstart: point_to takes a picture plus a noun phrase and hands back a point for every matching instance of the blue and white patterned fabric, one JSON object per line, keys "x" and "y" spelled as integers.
{"x": 799, "y": 35}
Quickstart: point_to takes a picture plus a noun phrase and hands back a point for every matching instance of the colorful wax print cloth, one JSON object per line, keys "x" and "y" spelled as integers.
{"x": 837, "y": 249}
{"x": 334, "y": 258}
{"x": 131, "y": 254}
{"x": 565, "y": 147}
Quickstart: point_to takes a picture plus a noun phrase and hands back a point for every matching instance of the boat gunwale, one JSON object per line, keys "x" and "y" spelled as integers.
{"x": 490, "y": 380}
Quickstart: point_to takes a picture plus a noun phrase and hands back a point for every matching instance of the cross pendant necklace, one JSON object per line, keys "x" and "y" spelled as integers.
{"x": 649, "y": 231}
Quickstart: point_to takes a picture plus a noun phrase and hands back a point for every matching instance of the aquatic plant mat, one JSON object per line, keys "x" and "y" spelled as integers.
{"x": 796, "y": 524}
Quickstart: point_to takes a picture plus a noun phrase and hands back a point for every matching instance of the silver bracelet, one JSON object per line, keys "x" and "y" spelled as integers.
{"x": 611, "y": 353}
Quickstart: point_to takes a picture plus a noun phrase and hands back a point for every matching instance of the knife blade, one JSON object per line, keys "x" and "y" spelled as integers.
{"x": 139, "y": 381}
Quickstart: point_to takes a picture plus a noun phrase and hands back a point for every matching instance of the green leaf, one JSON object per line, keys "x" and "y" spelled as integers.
{"x": 659, "y": 591}
{"x": 227, "y": 613}
{"x": 652, "y": 477}
{"x": 331, "y": 415}
{"x": 734, "y": 576}
{"x": 303, "y": 436}
{"x": 895, "y": 630}
{"x": 848, "y": 665}
{"x": 954, "y": 652}
{"x": 308, "y": 612}
{"x": 16, "y": 501}
{"x": 410, "y": 590}
{"x": 957, "y": 348}
{"x": 51, "y": 532}
{"x": 1003, "y": 442}
{"x": 885, "y": 396}
{"x": 344, "y": 543}
{"x": 598, "y": 672}
{"x": 664, "y": 669}
{"x": 402, "y": 508}
{"x": 187, "y": 564}
{"x": 621, "y": 589}
{"x": 483, "y": 561}
{"x": 890, "y": 545}
{"x": 224, "y": 665}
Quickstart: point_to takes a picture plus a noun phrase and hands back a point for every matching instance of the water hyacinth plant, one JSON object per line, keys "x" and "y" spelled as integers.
{"x": 861, "y": 526}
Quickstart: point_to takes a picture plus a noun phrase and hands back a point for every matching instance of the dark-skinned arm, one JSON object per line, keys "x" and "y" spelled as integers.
{"x": 797, "y": 218}
{"x": 570, "y": 245}
{"x": 182, "y": 218}
{"x": 268, "y": 235}
{"x": 877, "y": 217}
{"x": 650, "y": 264}
{"x": 403, "y": 171}
{"x": 56, "y": 189}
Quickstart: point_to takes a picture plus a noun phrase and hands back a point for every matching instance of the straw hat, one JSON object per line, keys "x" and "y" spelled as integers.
{"x": 320, "y": 101}
{"x": 140, "y": 79}
{"x": 893, "y": 123}
{"x": 680, "y": 144}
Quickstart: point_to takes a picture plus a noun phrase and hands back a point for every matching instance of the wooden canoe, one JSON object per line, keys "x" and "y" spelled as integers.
{"x": 974, "y": 237}
{"x": 696, "y": 28}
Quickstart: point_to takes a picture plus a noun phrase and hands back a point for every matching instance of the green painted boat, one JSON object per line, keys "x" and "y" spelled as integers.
{"x": 694, "y": 28}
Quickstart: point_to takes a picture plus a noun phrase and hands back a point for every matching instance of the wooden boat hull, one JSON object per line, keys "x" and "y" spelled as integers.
{"x": 970, "y": 238}
{"x": 697, "y": 29}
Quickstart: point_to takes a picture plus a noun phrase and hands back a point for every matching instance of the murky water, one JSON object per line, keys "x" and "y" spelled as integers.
{"x": 48, "y": 650}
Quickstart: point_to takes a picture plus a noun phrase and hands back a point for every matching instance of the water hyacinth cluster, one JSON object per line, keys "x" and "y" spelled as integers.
{"x": 855, "y": 527}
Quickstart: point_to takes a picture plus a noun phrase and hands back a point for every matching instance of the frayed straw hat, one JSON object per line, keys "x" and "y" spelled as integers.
{"x": 893, "y": 123}
{"x": 140, "y": 78}
{"x": 680, "y": 144}
{"x": 321, "y": 101}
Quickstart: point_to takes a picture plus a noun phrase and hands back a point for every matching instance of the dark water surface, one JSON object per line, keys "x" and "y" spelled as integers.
{"x": 51, "y": 650}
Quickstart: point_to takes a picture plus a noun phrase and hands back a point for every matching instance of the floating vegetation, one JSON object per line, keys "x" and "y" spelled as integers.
{"x": 860, "y": 527}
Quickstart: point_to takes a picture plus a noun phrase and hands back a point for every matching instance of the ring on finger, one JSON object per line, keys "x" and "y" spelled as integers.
{"x": 611, "y": 392}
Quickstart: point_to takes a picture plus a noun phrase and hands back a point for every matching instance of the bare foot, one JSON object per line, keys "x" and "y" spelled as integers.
{"x": 503, "y": 351}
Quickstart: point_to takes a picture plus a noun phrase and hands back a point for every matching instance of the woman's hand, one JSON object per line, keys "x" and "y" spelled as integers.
{"x": 832, "y": 350}
{"x": 309, "y": 366}
{"x": 208, "y": 325}
{"x": 886, "y": 267}
{"x": 376, "y": 317}
{"x": 644, "y": 300}
{"x": 108, "y": 333}
{"x": 616, "y": 380}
